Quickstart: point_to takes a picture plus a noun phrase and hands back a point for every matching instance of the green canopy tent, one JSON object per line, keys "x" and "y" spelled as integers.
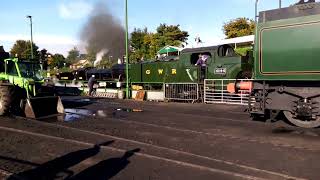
{"x": 169, "y": 49}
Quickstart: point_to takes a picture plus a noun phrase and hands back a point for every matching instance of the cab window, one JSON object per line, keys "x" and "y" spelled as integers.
{"x": 226, "y": 51}
{"x": 11, "y": 68}
{"x": 195, "y": 57}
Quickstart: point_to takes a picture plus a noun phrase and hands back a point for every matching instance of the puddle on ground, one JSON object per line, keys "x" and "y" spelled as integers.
{"x": 83, "y": 100}
{"x": 77, "y": 100}
{"x": 70, "y": 117}
{"x": 83, "y": 114}
{"x": 129, "y": 110}
{"x": 86, "y": 112}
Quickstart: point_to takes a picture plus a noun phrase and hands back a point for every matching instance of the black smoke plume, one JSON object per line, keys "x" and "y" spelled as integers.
{"x": 104, "y": 32}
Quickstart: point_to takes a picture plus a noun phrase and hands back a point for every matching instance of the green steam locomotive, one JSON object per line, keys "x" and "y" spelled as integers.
{"x": 287, "y": 65}
{"x": 222, "y": 63}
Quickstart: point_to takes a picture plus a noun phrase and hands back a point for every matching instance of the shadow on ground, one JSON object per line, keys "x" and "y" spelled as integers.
{"x": 58, "y": 168}
{"x": 106, "y": 169}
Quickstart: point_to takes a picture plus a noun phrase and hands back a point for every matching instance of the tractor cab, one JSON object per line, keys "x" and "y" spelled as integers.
{"x": 23, "y": 69}
{"x": 30, "y": 70}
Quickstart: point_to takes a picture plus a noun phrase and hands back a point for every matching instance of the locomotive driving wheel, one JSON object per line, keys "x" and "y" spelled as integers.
{"x": 300, "y": 122}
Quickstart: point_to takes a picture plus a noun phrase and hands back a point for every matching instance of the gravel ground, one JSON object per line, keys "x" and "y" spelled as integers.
{"x": 113, "y": 139}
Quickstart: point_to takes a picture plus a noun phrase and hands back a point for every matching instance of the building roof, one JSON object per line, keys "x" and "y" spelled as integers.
{"x": 238, "y": 40}
{"x": 199, "y": 49}
{"x": 80, "y": 62}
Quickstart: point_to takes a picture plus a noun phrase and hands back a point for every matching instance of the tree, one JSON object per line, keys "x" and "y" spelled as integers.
{"x": 73, "y": 55}
{"x": 22, "y": 50}
{"x": 145, "y": 44}
{"x": 106, "y": 62}
{"x": 137, "y": 37}
{"x": 57, "y": 60}
{"x": 239, "y": 27}
{"x": 91, "y": 55}
{"x": 171, "y": 35}
{"x": 138, "y": 48}
{"x": 43, "y": 55}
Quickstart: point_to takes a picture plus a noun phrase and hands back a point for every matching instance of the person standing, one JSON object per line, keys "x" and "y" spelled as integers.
{"x": 91, "y": 82}
{"x": 202, "y": 62}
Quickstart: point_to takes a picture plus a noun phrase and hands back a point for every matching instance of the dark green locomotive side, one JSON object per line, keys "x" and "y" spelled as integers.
{"x": 223, "y": 63}
{"x": 287, "y": 65}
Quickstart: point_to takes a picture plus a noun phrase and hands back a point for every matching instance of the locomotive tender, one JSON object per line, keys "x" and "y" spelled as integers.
{"x": 287, "y": 65}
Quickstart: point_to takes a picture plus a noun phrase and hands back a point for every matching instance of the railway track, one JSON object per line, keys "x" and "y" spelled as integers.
{"x": 175, "y": 140}
{"x": 195, "y": 161}
{"x": 219, "y": 132}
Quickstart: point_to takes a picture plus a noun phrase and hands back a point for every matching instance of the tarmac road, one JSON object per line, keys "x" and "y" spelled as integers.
{"x": 164, "y": 141}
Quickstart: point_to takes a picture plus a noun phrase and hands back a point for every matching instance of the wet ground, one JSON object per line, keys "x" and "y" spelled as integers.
{"x": 113, "y": 139}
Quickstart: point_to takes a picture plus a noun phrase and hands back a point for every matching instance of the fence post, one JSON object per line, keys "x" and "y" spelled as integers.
{"x": 204, "y": 91}
{"x": 197, "y": 92}
{"x": 241, "y": 97}
{"x": 222, "y": 91}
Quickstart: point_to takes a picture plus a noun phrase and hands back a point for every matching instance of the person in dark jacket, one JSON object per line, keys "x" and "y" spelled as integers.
{"x": 91, "y": 82}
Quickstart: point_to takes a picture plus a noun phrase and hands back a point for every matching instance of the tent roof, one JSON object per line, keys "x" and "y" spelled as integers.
{"x": 168, "y": 49}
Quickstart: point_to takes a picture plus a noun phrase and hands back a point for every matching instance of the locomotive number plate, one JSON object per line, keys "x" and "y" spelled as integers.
{"x": 222, "y": 71}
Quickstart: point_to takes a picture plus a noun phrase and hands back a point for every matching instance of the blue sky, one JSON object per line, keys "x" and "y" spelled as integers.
{"x": 57, "y": 23}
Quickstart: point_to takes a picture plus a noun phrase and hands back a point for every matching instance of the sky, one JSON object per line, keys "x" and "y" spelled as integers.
{"x": 57, "y": 23}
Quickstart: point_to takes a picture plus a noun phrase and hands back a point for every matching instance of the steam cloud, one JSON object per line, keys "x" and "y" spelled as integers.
{"x": 104, "y": 33}
{"x": 99, "y": 56}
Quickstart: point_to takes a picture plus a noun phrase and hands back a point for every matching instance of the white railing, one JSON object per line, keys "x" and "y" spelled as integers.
{"x": 181, "y": 91}
{"x": 215, "y": 92}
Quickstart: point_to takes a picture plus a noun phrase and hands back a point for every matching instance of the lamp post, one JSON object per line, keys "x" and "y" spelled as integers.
{"x": 127, "y": 53}
{"x": 30, "y": 17}
{"x": 280, "y": 2}
{"x": 256, "y": 12}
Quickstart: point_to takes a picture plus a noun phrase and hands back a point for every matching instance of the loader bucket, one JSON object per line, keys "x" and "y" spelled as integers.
{"x": 43, "y": 106}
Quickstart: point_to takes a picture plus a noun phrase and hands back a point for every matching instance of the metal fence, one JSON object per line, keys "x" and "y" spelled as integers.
{"x": 181, "y": 91}
{"x": 215, "y": 91}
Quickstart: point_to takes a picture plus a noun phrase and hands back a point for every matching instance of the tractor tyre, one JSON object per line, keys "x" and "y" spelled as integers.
{"x": 18, "y": 97}
{"x": 5, "y": 99}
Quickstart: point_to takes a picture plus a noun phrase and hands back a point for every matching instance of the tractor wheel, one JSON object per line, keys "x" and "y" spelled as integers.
{"x": 301, "y": 122}
{"x": 5, "y": 99}
{"x": 18, "y": 97}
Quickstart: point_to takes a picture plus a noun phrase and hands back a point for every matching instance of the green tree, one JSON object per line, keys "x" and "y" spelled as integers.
{"x": 137, "y": 37}
{"x": 73, "y": 56}
{"x": 145, "y": 44}
{"x": 57, "y": 60}
{"x": 138, "y": 48}
{"x": 171, "y": 35}
{"x": 238, "y": 27}
{"x": 106, "y": 62}
{"x": 43, "y": 56}
{"x": 22, "y": 50}
{"x": 91, "y": 55}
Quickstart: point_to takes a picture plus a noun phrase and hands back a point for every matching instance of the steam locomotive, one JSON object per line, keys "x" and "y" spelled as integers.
{"x": 116, "y": 72}
{"x": 287, "y": 65}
